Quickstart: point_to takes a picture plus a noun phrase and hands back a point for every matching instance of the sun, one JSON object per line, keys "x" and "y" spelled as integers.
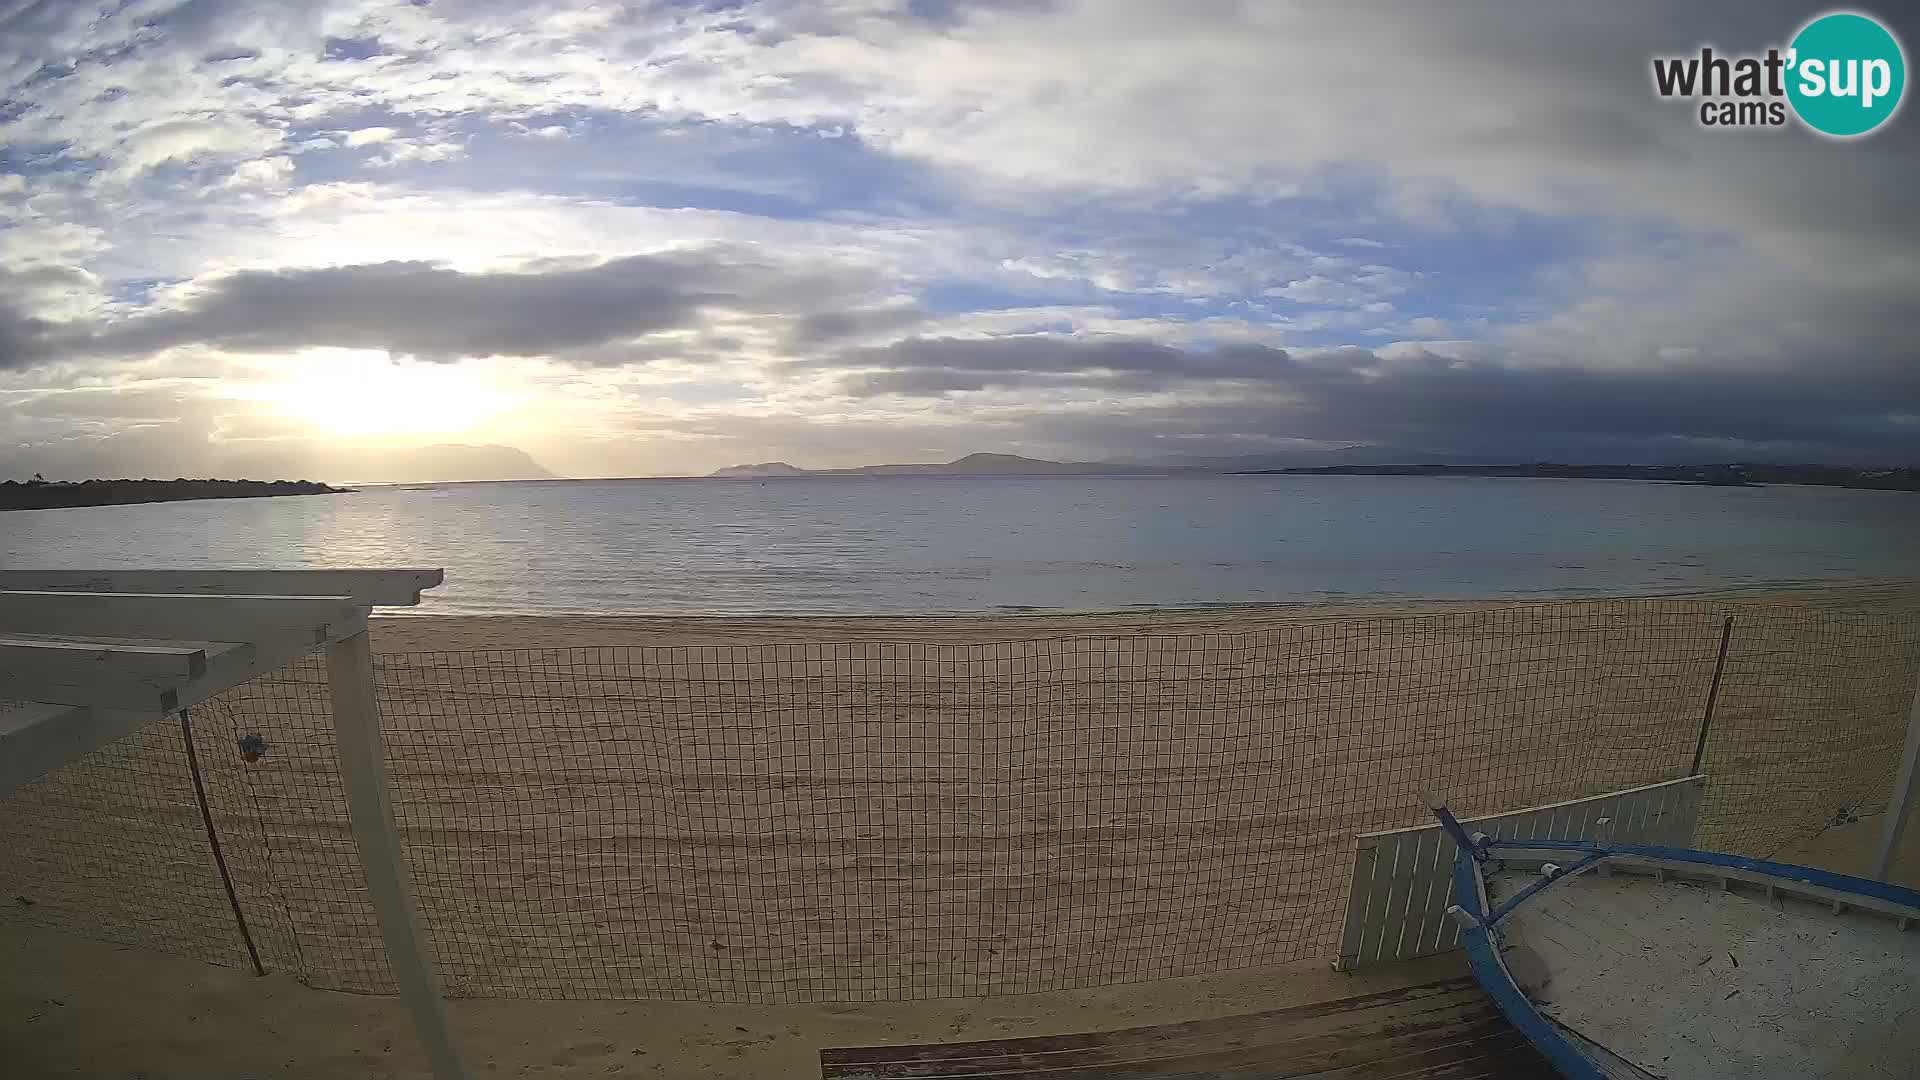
{"x": 360, "y": 393}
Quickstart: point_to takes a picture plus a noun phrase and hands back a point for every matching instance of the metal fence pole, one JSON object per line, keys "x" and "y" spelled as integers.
{"x": 1713, "y": 696}
{"x": 363, "y": 772}
{"x": 213, "y": 841}
{"x": 1900, "y": 805}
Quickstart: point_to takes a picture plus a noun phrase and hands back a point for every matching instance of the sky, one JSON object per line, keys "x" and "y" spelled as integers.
{"x": 240, "y": 237}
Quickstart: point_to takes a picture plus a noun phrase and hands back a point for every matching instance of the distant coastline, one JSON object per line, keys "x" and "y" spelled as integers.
{"x": 971, "y": 465}
{"x": 1729, "y": 474}
{"x": 46, "y": 495}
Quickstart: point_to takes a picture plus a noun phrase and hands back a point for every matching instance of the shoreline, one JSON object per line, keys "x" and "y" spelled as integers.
{"x": 432, "y": 631}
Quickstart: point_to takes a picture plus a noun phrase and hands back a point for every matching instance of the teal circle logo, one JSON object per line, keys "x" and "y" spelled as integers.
{"x": 1845, "y": 74}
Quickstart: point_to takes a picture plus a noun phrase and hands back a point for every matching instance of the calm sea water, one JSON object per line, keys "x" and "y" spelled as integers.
{"x": 900, "y": 544}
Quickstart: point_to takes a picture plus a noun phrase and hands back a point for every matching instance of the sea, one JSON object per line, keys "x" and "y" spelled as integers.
{"x": 897, "y": 544}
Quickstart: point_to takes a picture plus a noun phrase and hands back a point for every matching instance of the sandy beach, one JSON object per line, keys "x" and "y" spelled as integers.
{"x": 72, "y": 1007}
{"x": 847, "y": 812}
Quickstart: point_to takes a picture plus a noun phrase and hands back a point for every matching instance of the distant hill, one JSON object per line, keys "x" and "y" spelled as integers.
{"x": 971, "y": 465}
{"x": 765, "y": 468}
{"x": 41, "y": 495}
{"x": 1735, "y": 474}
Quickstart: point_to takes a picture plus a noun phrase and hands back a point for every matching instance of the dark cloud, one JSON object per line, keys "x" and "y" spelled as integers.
{"x": 1037, "y": 353}
{"x": 433, "y": 312}
{"x": 1501, "y": 408}
{"x": 27, "y": 339}
{"x": 832, "y": 327}
{"x": 23, "y": 337}
{"x": 424, "y": 310}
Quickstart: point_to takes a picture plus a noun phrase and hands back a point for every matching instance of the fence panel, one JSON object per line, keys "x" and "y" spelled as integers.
{"x": 1809, "y": 725}
{"x": 113, "y": 847}
{"x": 1403, "y": 878}
{"x": 872, "y": 820}
{"x": 878, "y": 821}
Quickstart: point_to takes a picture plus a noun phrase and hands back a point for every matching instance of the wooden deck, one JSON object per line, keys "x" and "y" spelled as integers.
{"x": 1439, "y": 1030}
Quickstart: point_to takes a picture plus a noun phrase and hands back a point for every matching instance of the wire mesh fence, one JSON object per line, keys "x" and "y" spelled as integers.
{"x": 114, "y": 847}
{"x": 884, "y": 821}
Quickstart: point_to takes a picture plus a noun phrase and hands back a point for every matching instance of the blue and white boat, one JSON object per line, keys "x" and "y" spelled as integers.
{"x": 1629, "y": 961}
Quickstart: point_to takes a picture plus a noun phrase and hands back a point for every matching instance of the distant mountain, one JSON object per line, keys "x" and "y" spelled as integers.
{"x": 1006, "y": 465}
{"x": 971, "y": 465}
{"x": 765, "y": 468}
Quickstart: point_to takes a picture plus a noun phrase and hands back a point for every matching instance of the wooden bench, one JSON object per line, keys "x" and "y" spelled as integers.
{"x": 1438, "y": 1030}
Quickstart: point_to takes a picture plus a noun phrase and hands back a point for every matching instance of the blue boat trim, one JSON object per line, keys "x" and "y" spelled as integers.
{"x": 1879, "y": 890}
{"x": 1483, "y": 956}
{"x": 1482, "y": 939}
{"x": 1525, "y": 894}
{"x": 1457, "y": 831}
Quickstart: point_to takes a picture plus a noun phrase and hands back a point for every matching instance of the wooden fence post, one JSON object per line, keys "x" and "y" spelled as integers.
{"x": 363, "y": 771}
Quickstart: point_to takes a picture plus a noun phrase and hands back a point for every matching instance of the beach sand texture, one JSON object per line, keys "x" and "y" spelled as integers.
{"x": 789, "y": 810}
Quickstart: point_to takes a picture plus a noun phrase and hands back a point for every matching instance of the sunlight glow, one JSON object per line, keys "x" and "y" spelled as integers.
{"x": 360, "y": 392}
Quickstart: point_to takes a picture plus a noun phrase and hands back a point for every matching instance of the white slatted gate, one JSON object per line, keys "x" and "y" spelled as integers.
{"x": 1403, "y": 878}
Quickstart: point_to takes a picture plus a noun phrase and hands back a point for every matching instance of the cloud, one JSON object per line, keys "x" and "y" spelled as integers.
{"x": 23, "y": 338}
{"x": 191, "y": 139}
{"x": 870, "y": 214}
{"x": 370, "y": 135}
{"x": 272, "y": 172}
{"x": 438, "y": 313}
{"x": 1466, "y": 399}
{"x": 1370, "y": 284}
{"x": 829, "y": 327}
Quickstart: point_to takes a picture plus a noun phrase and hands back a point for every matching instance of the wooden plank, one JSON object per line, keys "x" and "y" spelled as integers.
{"x": 1275, "y": 1019}
{"x": 51, "y": 732}
{"x": 178, "y": 615}
{"x": 109, "y": 686}
{"x": 1374, "y": 900}
{"x": 1310, "y": 1046}
{"x": 93, "y": 659}
{"x": 1366, "y": 857}
{"x": 363, "y": 773}
{"x": 1455, "y": 1034}
{"x": 386, "y": 588}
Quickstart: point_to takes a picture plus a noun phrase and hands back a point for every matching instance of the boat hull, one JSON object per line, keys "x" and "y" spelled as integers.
{"x": 1637, "y": 961}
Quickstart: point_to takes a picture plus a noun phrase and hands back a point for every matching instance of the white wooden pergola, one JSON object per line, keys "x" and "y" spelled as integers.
{"x": 97, "y": 654}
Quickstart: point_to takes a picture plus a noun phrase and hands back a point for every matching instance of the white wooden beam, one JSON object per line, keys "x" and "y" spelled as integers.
{"x": 1900, "y": 803}
{"x": 386, "y": 588}
{"x": 94, "y": 659}
{"x": 363, "y": 773}
{"x": 221, "y": 663}
{"x": 178, "y": 615}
